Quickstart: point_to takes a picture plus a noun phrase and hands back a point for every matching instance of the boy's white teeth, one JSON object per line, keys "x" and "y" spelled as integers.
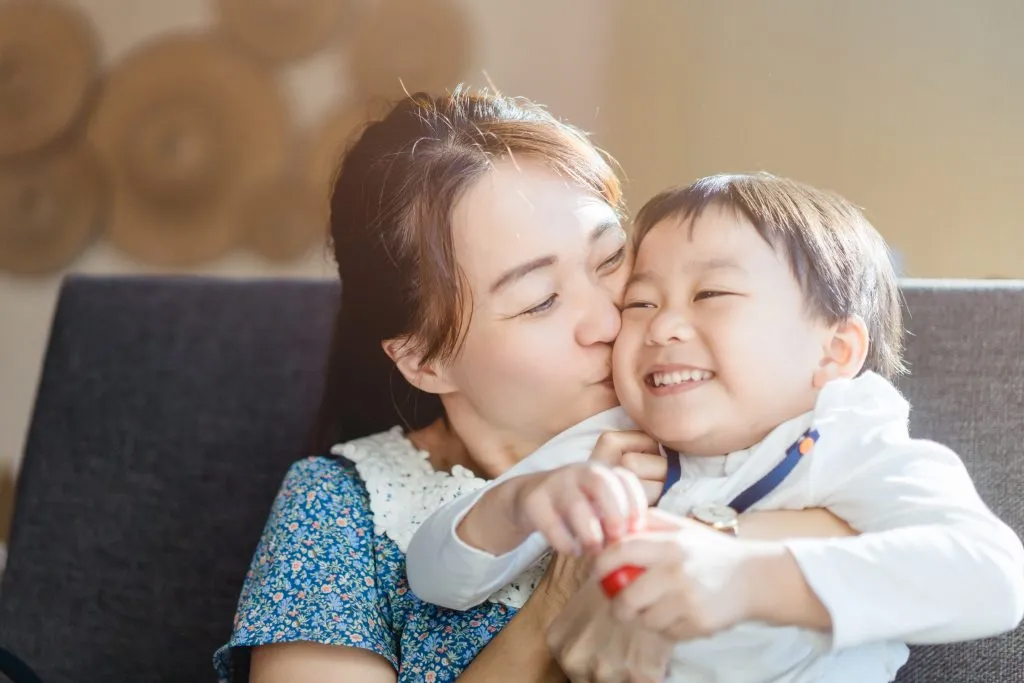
{"x": 664, "y": 379}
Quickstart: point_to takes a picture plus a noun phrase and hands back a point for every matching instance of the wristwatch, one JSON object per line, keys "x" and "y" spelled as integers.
{"x": 719, "y": 517}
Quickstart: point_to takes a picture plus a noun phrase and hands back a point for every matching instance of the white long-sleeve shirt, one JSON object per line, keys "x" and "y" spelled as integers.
{"x": 932, "y": 563}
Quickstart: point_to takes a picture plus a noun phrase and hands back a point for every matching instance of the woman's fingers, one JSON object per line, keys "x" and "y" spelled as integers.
{"x": 644, "y": 549}
{"x": 642, "y": 594}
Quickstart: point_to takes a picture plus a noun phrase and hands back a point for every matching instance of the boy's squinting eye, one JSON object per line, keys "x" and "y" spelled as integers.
{"x": 637, "y": 304}
{"x": 709, "y": 294}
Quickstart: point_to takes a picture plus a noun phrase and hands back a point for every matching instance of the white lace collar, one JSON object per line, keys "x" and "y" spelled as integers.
{"x": 405, "y": 489}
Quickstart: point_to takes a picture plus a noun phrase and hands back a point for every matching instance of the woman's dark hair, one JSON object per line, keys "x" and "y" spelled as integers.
{"x": 391, "y": 208}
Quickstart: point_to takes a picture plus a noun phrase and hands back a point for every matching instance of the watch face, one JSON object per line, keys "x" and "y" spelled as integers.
{"x": 715, "y": 514}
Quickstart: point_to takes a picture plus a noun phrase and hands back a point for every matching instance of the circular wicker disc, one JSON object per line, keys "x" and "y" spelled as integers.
{"x": 327, "y": 143}
{"x": 422, "y": 45}
{"x": 48, "y": 64}
{"x": 283, "y": 30}
{"x": 50, "y": 209}
{"x": 282, "y": 222}
{"x": 188, "y": 128}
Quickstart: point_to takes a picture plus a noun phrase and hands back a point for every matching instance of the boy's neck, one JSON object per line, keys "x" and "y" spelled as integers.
{"x": 796, "y": 424}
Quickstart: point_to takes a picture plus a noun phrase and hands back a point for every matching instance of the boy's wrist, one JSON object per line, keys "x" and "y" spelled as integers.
{"x": 515, "y": 493}
{"x": 495, "y": 524}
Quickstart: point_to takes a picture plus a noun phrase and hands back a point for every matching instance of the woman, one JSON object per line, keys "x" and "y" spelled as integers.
{"x": 481, "y": 252}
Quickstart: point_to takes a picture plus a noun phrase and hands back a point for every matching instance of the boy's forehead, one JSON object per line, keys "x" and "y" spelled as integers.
{"x": 718, "y": 239}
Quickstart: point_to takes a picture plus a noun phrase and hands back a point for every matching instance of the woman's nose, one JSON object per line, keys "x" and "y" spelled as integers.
{"x": 601, "y": 323}
{"x": 669, "y": 326}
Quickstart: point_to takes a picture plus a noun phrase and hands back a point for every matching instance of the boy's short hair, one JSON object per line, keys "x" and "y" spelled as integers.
{"x": 842, "y": 263}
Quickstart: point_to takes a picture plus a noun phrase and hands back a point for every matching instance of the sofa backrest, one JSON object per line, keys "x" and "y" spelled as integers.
{"x": 170, "y": 408}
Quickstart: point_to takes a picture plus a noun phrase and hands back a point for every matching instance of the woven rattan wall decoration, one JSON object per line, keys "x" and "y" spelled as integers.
{"x": 186, "y": 147}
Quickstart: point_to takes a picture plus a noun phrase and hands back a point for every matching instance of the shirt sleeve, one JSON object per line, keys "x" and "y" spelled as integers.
{"x": 932, "y": 564}
{"x": 445, "y": 571}
{"x": 313, "y": 575}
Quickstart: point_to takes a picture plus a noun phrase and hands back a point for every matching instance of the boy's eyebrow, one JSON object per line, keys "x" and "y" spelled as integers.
{"x": 700, "y": 266}
{"x": 718, "y": 264}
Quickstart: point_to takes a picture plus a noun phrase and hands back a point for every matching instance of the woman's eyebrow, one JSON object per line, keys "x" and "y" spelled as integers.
{"x": 603, "y": 227}
{"x": 519, "y": 272}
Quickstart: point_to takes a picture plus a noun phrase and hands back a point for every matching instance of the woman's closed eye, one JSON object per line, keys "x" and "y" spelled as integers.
{"x": 636, "y": 304}
{"x": 541, "y": 307}
{"x": 613, "y": 261}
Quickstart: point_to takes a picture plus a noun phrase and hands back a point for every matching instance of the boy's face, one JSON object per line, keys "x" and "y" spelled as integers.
{"x": 717, "y": 346}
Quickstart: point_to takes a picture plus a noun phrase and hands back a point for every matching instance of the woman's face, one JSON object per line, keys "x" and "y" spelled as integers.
{"x": 546, "y": 264}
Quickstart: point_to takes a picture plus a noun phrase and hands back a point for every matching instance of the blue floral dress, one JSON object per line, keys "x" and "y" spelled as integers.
{"x": 330, "y": 567}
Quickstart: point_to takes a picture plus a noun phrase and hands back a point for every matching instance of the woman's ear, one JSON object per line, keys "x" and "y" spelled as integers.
{"x": 428, "y": 377}
{"x": 844, "y": 352}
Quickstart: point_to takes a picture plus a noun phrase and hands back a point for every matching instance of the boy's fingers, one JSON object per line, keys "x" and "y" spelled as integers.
{"x": 585, "y": 525}
{"x": 652, "y": 467}
{"x": 612, "y": 445}
{"x": 610, "y": 499}
{"x": 549, "y": 523}
{"x": 635, "y": 495}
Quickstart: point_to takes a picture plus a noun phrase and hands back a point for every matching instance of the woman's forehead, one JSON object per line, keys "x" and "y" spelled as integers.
{"x": 521, "y": 211}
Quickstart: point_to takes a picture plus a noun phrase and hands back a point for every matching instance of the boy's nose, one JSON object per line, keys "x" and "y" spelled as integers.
{"x": 669, "y": 327}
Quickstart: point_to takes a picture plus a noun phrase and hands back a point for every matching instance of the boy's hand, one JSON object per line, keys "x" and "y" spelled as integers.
{"x": 637, "y": 452}
{"x": 579, "y": 508}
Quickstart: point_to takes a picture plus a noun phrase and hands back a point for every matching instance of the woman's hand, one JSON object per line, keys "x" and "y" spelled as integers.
{"x": 698, "y": 582}
{"x": 592, "y": 646}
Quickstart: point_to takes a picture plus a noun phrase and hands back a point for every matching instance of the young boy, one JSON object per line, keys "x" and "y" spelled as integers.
{"x": 758, "y": 329}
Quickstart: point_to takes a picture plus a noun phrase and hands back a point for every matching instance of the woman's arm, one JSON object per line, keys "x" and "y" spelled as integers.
{"x": 520, "y": 651}
{"x": 304, "y": 661}
{"x": 932, "y": 564}
{"x": 779, "y": 525}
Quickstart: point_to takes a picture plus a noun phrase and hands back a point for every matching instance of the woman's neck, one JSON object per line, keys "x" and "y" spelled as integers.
{"x": 485, "y": 453}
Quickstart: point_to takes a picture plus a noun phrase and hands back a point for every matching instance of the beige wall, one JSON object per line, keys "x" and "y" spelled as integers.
{"x": 914, "y": 109}
{"x": 558, "y": 61}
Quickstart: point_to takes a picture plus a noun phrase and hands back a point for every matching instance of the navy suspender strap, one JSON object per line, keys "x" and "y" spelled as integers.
{"x": 768, "y": 483}
{"x": 763, "y": 486}
{"x": 675, "y": 471}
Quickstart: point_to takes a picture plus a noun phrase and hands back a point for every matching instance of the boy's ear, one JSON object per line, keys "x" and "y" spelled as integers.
{"x": 429, "y": 377}
{"x": 844, "y": 351}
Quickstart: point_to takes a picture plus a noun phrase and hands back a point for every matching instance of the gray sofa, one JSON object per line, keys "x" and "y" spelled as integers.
{"x": 170, "y": 408}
